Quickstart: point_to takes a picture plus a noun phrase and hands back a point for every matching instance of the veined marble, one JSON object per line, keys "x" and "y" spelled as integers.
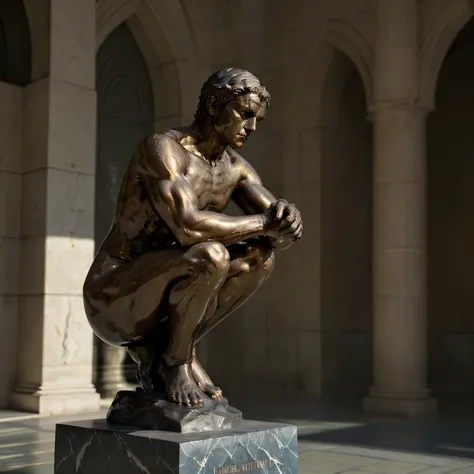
{"x": 95, "y": 447}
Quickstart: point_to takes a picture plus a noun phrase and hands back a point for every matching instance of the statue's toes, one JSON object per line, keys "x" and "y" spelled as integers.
{"x": 214, "y": 392}
{"x": 195, "y": 399}
{"x": 189, "y": 398}
{"x": 174, "y": 397}
{"x": 185, "y": 399}
{"x": 217, "y": 396}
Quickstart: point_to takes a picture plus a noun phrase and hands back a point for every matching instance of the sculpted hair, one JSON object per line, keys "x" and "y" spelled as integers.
{"x": 226, "y": 84}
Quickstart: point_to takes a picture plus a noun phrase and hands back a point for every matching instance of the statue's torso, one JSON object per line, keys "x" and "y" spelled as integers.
{"x": 213, "y": 185}
{"x": 137, "y": 228}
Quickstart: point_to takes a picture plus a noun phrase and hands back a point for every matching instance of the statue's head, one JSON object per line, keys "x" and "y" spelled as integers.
{"x": 232, "y": 101}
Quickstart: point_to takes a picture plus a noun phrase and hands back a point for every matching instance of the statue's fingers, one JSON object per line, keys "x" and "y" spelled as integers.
{"x": 292, "y": 213}
{"x": 299, "y": 220}
{"x": 280, "y": 208}
{"x": 298, "y": 230}
{"x": 290, "y": 229}
{"x": 298, "y": 233}
{"x": 284, "y": 224}
{"x": 289, "y": 219}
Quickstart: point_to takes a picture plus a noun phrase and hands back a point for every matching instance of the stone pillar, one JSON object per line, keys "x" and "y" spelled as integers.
{"x": 55, "y": 345}
{"x": 115, "y": 371}
{"x": 399, "y": 226}
{"x": 11, "y": 100}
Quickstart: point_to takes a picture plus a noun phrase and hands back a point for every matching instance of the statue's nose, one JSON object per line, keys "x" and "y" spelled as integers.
{"x": 251, "y": 124}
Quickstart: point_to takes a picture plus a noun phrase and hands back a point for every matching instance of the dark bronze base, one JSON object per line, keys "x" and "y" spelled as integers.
{"x": 152, "y": 412}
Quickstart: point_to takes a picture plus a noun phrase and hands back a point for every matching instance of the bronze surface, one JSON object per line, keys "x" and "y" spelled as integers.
{"x": 173, "y": 265}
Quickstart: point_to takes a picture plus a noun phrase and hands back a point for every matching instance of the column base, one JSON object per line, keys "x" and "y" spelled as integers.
{"x": 112, "y": 382}
{"x": 60, "y": 403}
{"x": 114, "y": 371}
{"x": 399, "y": 406}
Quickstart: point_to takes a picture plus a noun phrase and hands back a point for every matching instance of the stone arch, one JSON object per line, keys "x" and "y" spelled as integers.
{"x": 126, "y": 114}
{"x": 161, "y": 20}
{"x": 171, "y": 57}
{"x": 343, "y": 38}
{"x": 450, "y": 204}
{"x": 442, "y": 21}
{"x": 335, "y": 133}
{"x": 38, "y": 14}
{"x": 345, "y": 146}
{"x": 336, "y": 76}
{"x": 15, "y": 43}
{"x": 351, "y": 42}
{"x": 158, "y": 52}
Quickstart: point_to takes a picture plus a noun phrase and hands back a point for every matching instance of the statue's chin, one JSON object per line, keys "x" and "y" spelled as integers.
{"x": 237, "y": 145}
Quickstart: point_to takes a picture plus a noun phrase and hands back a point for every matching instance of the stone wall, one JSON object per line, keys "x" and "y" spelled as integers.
{"x": 308, "y": 330}
{"x": 297, "y": 335}
{"x": 11, "y": 115}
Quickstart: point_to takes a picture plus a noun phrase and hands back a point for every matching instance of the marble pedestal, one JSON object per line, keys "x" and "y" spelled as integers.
{"x": 95, "y": 447}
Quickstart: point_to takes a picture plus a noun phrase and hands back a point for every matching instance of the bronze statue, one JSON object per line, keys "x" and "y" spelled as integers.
{"x": 173, "y": 266}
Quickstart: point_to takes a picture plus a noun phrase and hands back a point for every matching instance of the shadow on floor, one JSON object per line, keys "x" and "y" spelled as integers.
{"x": 418, "y": 435}
{"x": 449, "y": 432}
{"x": 271, "y": 408}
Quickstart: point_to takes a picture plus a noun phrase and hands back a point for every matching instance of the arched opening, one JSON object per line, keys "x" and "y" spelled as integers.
{"x": 125, "y": 115}
{"x": 346, "y": 233}
{"x": 15, "y": 43}
{"x": 450, "y": 148}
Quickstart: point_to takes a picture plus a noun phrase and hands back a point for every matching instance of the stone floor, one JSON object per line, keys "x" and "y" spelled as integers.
{"x": 334, "y": 438}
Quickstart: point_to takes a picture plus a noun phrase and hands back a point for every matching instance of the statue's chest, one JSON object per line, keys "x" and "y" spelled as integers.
{"x": 213, "y": 185}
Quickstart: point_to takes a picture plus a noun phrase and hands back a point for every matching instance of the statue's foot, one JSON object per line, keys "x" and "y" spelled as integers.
{"x": 204, "y": 382}
{"x": 181, "y": 386}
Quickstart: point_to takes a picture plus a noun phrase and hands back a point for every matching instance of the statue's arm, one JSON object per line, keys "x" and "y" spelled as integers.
{"x": 250, "y": 194}
{"x": 162, "y": 170}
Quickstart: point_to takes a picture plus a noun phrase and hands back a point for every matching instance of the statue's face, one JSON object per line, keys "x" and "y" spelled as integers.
{"x": 238, "y": 119}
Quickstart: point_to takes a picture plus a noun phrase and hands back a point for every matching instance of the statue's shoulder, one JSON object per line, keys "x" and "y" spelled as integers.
{"x": 157, "y": 141}
{"x": 245, "y": 169}
{"x": 163, "y": 151}
{"x": 174, "y": 134}
{"x": 237, "y": 159}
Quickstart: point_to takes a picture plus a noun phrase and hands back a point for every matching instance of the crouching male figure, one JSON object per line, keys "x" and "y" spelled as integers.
{"x": 173, "y": 266}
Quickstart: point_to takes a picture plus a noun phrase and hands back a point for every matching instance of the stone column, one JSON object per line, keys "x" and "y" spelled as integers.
{"x": 11, "y": 100}
{"x": 399, "y": 221}
{"x": 55, "y": 345}
{"x": 114, "y": 371}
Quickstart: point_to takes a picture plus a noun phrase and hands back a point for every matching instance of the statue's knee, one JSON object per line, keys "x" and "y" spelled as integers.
{"x": 213, "y": 256}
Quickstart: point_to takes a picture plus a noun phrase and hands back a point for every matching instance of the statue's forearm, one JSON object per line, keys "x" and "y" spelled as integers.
{"x": 253, "y": 198}
{"x": 260, "y": 198}
{"x": 203, "y": 226}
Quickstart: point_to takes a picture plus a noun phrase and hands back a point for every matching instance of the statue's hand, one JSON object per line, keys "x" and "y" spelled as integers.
{"x": 273, "y": 218}
{"x": 283, "y": 221}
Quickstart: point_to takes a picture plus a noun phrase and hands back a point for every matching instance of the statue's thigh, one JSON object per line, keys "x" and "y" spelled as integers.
{"x": 135, "y": 295}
